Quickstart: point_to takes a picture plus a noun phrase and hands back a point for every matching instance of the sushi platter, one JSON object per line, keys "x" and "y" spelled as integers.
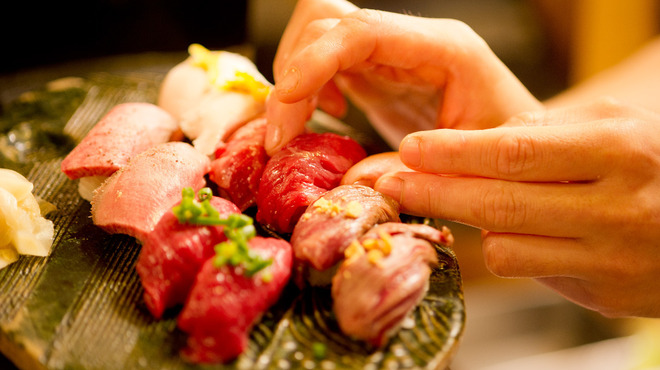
{"x": 83, "y": 307}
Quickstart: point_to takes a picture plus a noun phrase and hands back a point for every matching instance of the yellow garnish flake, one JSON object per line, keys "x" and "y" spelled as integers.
{"x": 201, "y": 56}
{"x": 354, "y": 209}
{"x": 370, "y": 244}
{"x": 386, "y": 245}
{"x": 328, "y": 207}
{"x": 246, "y": 83}
{"x": 377, "y": 249}
{"x": 241, "y": 82}
{"x": 354, "y": 250}
{"x": 205, "y": 59}
{"x": 375, "y": 256}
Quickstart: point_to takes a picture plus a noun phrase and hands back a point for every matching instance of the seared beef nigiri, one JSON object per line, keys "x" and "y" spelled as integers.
{"x": 133, "y": 199}
{"x": 304, "y": 169}
{"x": 225, "y": 303}
{"x": 333, "y": 221}
{"x": 173, "y": 253}
{"x": 125, "y": 131}
{"x": 383, "y": 278}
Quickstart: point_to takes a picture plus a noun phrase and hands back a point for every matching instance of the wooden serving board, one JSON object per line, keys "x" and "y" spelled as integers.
{"x": 82, "y": 308}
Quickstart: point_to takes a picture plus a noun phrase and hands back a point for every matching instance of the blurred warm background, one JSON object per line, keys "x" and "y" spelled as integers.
{"x": 549, "y": 44}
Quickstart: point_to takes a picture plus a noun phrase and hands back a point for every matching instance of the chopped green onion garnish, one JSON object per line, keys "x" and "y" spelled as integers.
{"x": 238, "y": 228}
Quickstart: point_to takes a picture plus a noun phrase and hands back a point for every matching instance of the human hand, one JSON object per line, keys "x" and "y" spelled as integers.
{"x": 570, "y": 197}
{"x": 367, "y": 171}
{"x": 406, "y": 73}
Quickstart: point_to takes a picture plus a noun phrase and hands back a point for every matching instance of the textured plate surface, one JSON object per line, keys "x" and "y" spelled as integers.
{"x": 81, "y": 307}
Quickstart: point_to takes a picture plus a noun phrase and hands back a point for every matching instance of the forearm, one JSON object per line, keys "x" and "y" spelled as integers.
{"x": 635, "y": 81}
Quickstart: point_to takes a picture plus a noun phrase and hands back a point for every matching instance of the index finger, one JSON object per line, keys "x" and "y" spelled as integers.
{"x": 305, "y": 12}
{"x": 294, "y": 116}
{"x": 575, "y": 152}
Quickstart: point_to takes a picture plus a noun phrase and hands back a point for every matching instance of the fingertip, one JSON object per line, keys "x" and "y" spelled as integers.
{"x": 410, "y": 151}
{"x": 391, "y": 185}
{"x": 288, "y": 83}
{"x": 497, "y": 256}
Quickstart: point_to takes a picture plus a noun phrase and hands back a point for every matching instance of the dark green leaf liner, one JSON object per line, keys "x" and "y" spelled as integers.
{"x": 81, "y": 307}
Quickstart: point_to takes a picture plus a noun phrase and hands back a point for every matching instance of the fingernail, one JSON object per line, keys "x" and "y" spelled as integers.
{"x": 273, "y": 138}
{"x": 410, "y": 151}
{"x": 289, "y": 81}
{"x": 365, "y": 182}
{"x": 390, "y": 185}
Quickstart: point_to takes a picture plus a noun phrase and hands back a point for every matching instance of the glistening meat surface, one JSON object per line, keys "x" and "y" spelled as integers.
{"x": 133, "y": 199}
{"x": 173, "y": 253}
{"x": 308, "y": 166}
{"x": 224, "y": 304}
{"x": 240, "y": 163}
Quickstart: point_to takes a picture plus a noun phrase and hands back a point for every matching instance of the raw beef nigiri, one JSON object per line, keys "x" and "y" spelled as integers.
{"x": 173, "y": 253}
{"x": 225, "y": 303}
{"x": 308, "y": 166}
{"x": 240, "y": 163}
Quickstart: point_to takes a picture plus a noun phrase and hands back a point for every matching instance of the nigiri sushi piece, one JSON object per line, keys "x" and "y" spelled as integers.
{"x": 173, "y": 253}
{"x": 23, "y": 227}
{"x": 239, "y": 164}
{"x": 332, "y": 222}
{"x": 134, "y": 198}
{"x": 212, "y": 93}
{"x": 383, "y": 278}
{"x": 225, "y": 302}
{"x": 303, "y": 170}
{"x": 125, "y": 131}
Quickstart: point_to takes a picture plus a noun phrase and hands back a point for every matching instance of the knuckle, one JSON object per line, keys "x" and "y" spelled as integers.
{"x": 625, "y": 145}
{"x": 460, "y": 27}
{"x": 526, "y": 119}
{"x": 500, "y": 209}
{"x": 608, "y": 106}
{"x": 317, "y": 27}
{"x": 367, "y": 16}
{"x": 514, "y": 154}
